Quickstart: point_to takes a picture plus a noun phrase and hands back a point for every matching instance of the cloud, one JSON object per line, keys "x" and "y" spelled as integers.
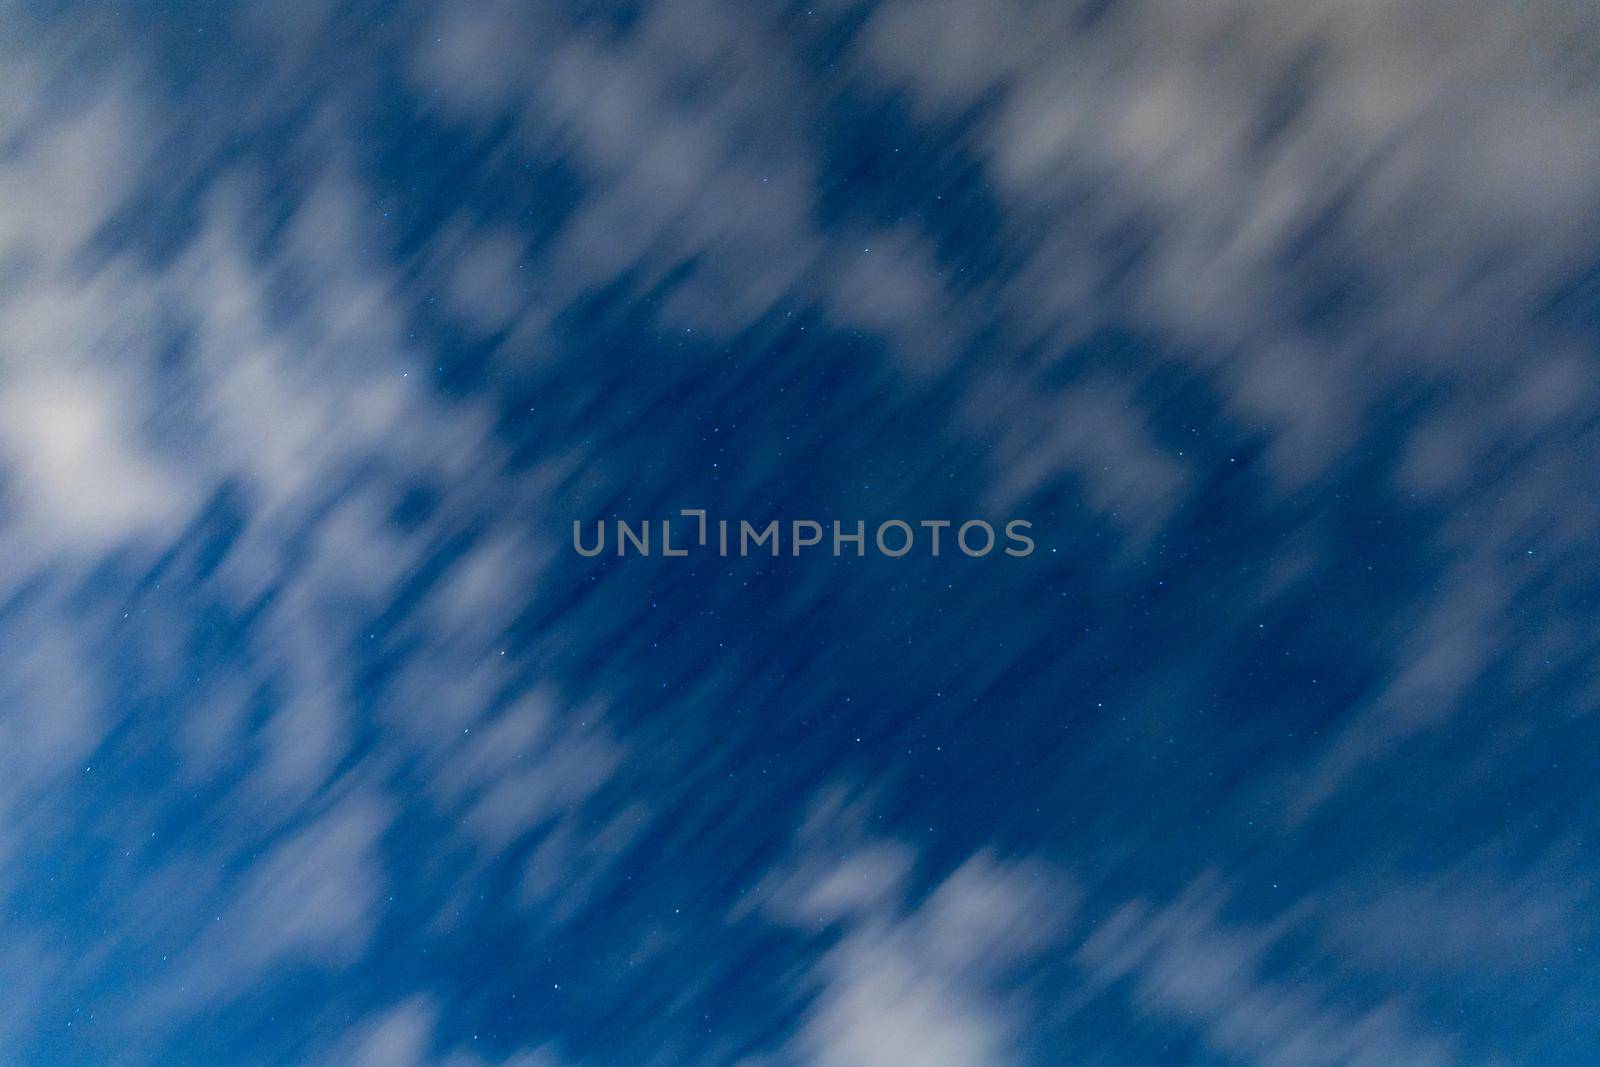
{"x": 405, "y": 1035}
{"x": 1240, "y": 125}
{"x": 298, "y": 697}
{"x": 80, "y": 468}
{"x": 706, "y": 198}
{"x": 1188, "y": 965}
{"x": 52, "y": 722}
{"x": 915, "y": 986}
{"x": 1461, "y": 921}
{"x": 312, "y": 901}
{"x": 1091, "y": 432}
{"x": 1319, "y": 207}
{"x": 218, "y": 432}
{"x": 923, "y": 978}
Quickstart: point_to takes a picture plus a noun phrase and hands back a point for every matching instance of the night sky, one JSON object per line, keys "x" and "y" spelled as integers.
{"x": 321, "y": 325}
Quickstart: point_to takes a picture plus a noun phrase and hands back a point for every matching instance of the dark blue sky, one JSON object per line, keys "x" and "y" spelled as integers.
{"x": 320, "y": 326}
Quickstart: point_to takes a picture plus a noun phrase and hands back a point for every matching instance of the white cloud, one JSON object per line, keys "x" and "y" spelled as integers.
{"x": 923, "y": 986}
{"x": 79, "y": 466}
{"x": 714, "y": 188}
{"x": 401, "y": 1038}
{"x": 73, "y": 420}
{"x": 930, "y": 982}
{"x": 312, "y": 901}
{"x": 1188, "y": 965}
{"x": 1416, "y": 175}
{"x": 51, "y": 720}
{"x": 406, "y": 1036}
